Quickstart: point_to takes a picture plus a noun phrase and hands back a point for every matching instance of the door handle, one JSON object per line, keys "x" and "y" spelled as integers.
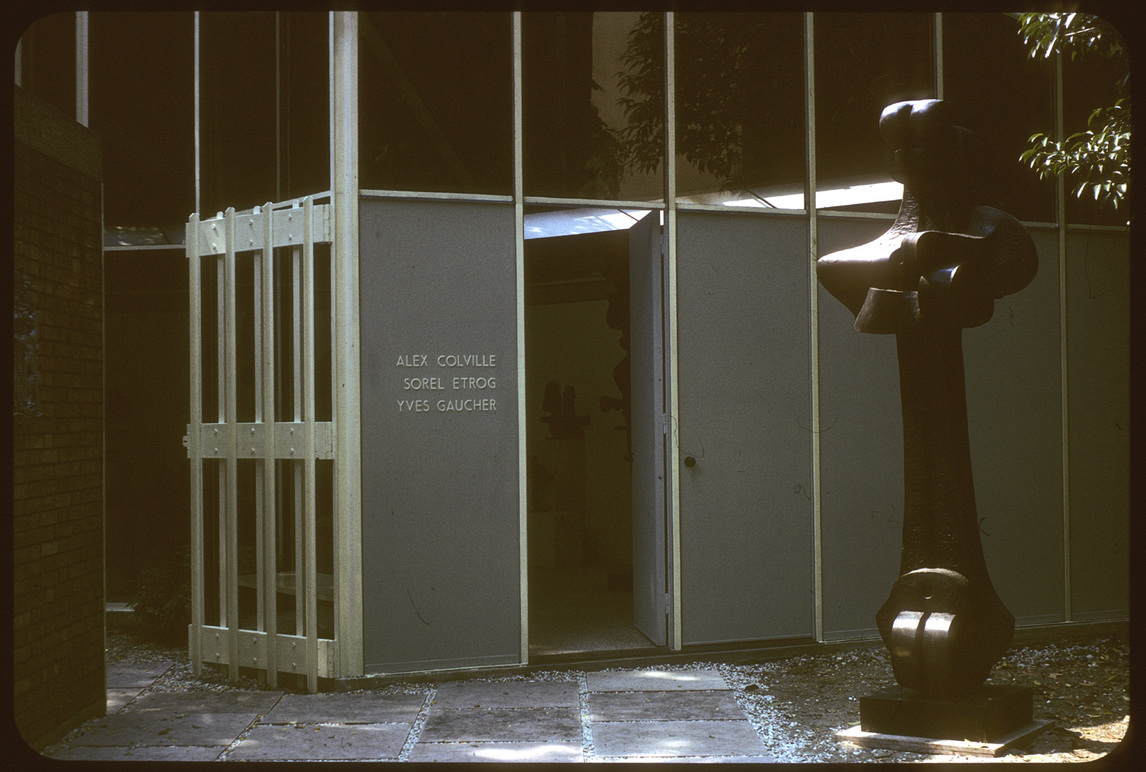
{"x": 689, "y": 461}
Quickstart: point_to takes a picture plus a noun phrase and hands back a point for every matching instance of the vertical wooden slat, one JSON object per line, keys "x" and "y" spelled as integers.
{"x": 261, "y": 493}
{"x": 311, "y": 567}
{"x": 221, "y": 418}
{"x": 267, "y": 513}
{"x": 297, "y": 471}
{"x": 297, "y": 467}
{"x": 194, "y": 445}
{"x": 231, "y": 573}
{"x": 282, "y": 379}
{"x": 296, "y": 331}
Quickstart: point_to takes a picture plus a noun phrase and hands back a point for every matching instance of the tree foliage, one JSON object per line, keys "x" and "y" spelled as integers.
{"x": 1096, "y": 160}
{"x": 710, "y": 101}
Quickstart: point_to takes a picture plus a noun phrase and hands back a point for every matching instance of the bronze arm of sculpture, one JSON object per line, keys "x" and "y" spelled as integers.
{"x": 938, "y": 269}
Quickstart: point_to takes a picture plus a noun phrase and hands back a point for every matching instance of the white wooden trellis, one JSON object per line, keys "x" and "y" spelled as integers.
{"x": 263, "y": 235}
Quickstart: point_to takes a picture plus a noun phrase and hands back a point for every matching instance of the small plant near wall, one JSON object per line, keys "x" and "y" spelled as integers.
{"x": 163, "y": 608}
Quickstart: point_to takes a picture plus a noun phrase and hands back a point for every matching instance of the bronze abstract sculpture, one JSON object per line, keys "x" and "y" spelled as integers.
{"x": 937, "y": 270}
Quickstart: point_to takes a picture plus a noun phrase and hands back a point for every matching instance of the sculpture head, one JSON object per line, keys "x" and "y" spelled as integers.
{"x": 947, "y": 257}
{"x": 932, "y": 157}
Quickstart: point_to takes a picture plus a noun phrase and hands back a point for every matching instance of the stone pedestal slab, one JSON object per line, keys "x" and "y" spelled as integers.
{"x": 988, "y": 713}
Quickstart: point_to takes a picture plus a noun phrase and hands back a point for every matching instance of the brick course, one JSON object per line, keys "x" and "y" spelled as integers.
{"x": 58, "y": 571}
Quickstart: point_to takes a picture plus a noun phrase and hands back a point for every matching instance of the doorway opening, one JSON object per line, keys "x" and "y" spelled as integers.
{"x": 578, "y": 434}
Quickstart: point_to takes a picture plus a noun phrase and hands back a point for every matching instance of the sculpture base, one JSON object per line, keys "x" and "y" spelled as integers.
{"x": 988, "y": 713}
{"x": 996, "y": 747}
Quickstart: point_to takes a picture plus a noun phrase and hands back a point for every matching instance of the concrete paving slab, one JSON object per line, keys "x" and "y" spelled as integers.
{"x": 345, "y": 709}
{"x": 117, "y": 698}
{"x": 676, "y": 739}
{"x": 510, "y": 694}
{"x": 321, "y": 743}
{"x": 502, "y": 724}
{"x": 536, "y": 753}
{"x": 136, "y": 728}
{"x": 123, "y": 675}
{"x": 663, "y": 706}
{"x": 205, "y": 702}
{"x": 140, "y": 753}
{"x": 655, "y": 680}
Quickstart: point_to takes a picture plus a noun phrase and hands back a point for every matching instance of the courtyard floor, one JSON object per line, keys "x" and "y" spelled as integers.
{"x": 782, "y": 710}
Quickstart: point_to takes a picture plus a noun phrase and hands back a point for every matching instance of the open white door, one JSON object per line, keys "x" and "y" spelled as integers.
{"x": 647, "y": 373}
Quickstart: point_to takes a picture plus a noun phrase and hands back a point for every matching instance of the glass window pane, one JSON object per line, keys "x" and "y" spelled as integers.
{"x": 265, "y": 108}
{"x": 237, "y": 99}
{"x": 304, "y": 104}
{"x": 864, "y": 62}
{"x": 143, "y": 107}
{"x": 740, "y": 109}
{"x": 1091, "y": 82}
{"x": 48, "y": 59}
{"x": 593, "y": 86}
{"x": 1003, "y": 97}
{"x": 436, "y": 102}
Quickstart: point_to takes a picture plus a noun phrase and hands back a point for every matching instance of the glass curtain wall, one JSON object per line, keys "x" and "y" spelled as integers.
{"x": 1090, "y": 82}
{"x": 265, "y": 107}
{"x": 47, "y": 63}
{"x": 303, "y": 105}
{"x": 593, "y": 104}
{"x": 436, "y": 97}
{"x": 740, "y": 109}
{"x": 146, "y": 122}
{"x": 237, "y": 93}
{"x": 863, "y": 63}
{"x": 149, "y": 170}
{"x": 1003, "y": 98}
{"x": 436, "y": 102}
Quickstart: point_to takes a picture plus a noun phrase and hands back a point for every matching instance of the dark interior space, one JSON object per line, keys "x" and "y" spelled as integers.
{"x": 580, "y": 515}
{"x": 147, "y": 394}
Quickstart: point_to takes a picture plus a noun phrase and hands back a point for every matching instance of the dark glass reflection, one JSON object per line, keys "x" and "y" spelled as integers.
{"x": 740, "y": 107}
{"x": 999, "y": 96}
{"x": 864, "y": 62}
{"x": 304, "y": 104}
{"x": 1090, "y": 82}
{"x": 436, "y": 102}
{"x": 145, "y": 115}
{"x": 593, "y": 105}
{"x": 48, "y": 59}
{"x": 237, "y": 99}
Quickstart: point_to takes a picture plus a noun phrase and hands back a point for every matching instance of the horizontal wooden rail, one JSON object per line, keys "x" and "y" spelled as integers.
{"x": 280, "y": 440}
{"x": 252, "y": 647}
{"x": 288, "y": 228}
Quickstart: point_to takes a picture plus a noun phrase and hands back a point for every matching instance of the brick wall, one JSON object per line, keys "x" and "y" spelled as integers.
{"x": 58, "y": 572}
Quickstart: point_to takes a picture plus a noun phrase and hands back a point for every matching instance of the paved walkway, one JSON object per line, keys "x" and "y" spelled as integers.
{"x": 630, "y": 715}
